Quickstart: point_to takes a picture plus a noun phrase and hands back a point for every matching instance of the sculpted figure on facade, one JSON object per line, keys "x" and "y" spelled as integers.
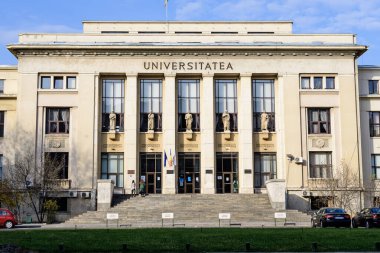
{"x": 151, "y": 121}
{"x": 189, "y": 121}
{"x": 264, "y": 121}
{"x": 112, "y": 118}
{"x": 226, "y": 121}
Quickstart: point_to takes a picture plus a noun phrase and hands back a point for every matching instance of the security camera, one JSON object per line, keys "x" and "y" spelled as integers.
{"x": 290, "y": 157}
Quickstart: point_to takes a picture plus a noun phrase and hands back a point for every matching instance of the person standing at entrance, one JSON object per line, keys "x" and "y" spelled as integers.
{"x": 236, "y": 186}
{"x": 133, "y": 190}
{"x": 142, "y": 187}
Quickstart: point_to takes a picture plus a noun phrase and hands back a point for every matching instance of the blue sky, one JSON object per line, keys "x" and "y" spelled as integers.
{"x": 361, "y": 17}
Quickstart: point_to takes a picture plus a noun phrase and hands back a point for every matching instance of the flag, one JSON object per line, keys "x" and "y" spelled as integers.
{"x": 166, "y": 3}
{"x": 170, "y": 160}
{"x": 165, "y": 158}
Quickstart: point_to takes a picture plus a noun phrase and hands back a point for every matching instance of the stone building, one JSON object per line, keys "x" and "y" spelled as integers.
{"x": 193, "y": 108}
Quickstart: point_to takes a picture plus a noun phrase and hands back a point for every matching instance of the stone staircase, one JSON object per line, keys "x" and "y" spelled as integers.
{"x": 192, "y": 210}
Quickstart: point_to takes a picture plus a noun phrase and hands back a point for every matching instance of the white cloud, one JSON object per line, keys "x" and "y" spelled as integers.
{"x": 190, "y": 10}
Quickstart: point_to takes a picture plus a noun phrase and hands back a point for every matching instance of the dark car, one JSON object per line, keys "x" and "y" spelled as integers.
{"x": 368, "y": 217}
{"x": 7, "y": 218}
{"x": 331, "y": 217}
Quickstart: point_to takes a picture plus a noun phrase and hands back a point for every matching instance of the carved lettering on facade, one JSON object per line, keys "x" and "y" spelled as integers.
{"x": 114, "y": 146}
{"x": 150, "y": 145}
{"x": 188, "y": 145}
{"x": 264, "y": 145}
{"x": 226, "y": 145}
{"x": 188, "y": 66}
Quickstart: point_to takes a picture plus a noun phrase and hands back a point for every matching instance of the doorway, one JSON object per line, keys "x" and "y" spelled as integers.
{"x": 150, "y": 172}
{"x": 189, "y": 180}
{"x": 227, "y": 173}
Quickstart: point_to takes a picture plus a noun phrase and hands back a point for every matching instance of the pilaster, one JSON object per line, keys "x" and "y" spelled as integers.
{"x": 246, "y": 171}
{"x": 131, "y": 154}
{"x": 208, "y": 135}
{"x": 169, "y": 133}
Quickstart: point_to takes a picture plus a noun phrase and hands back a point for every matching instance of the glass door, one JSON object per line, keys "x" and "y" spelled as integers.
{"x": 227, "y": 173}
{"x": 189, "y": 173}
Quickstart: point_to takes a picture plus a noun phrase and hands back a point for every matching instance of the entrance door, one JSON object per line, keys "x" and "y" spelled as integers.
{"x": 150, "y": 172}
{"x": 150, "y": 183}
{"x": 189, "y": 173}
{"x": 227, "y": 173}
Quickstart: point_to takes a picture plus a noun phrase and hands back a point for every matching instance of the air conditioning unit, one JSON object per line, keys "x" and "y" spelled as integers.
{"x": 298, "y": 160}
{"x": 85, "y": 195}
{"x": 73, "y": 194}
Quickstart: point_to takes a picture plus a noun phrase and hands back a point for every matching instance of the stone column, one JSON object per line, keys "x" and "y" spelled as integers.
{"x": 245, "y": 115}
{"x": 131, "y": 154}
{"x": 208, "y": 135}
{"x": 169, "y": 132}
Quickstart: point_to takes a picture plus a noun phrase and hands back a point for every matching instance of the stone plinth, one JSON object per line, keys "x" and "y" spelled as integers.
{"x": 105, "y": 193}
{"x": 150, "y": 135}
{"x": 276, "y": 192}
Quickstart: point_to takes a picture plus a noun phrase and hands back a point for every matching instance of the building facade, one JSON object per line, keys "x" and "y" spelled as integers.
{"x": 193, "y": 108}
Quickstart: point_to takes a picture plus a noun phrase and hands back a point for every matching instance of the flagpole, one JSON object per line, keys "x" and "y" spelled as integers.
{"x": 166, "y": 14}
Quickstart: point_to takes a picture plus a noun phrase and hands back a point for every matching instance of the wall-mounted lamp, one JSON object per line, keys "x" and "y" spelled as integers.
{"x": 290, "y": 157}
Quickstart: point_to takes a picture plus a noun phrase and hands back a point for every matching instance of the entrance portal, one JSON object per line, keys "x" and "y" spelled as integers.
{"x": 227, "y": 173}
{"x": 150, "y": 172}
{"x": 189, "y": 179}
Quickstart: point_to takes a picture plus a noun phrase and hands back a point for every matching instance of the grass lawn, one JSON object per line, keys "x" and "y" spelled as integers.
{"x": 205, "y": 239}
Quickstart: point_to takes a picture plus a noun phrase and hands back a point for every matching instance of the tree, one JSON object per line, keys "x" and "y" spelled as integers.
{"x": 342, "y": 190}
{"x": 36, "y": 177}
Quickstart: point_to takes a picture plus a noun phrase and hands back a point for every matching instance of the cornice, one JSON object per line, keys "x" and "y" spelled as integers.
{"x": 220, "y": 53}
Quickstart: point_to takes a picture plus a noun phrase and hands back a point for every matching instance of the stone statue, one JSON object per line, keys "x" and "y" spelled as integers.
{"x": 226, "y": 121}
{"x": 112, "y": 118}
{"x": 264, "y": 121}
{"x": 150, "y": 121}
{"x": 189, "y": 121}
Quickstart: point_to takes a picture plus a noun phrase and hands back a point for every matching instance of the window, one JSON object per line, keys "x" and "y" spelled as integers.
{"x": 150, "y": 171}
{"x": 1, "y": 86}
{"x": 263, "y": 101}
{"x": 58, "y": 82}
{"x": 265, "y": 168}
{"x": 1, "y": 167}
{"x": 320, "y": 165}
{"x": 113, "y": 101}
{"x": 188, "y": 102}
{"x": 374, "y": 124}
{"x": 375, "y": 164}
{"x": 61, "y": 159}
{"x": 226, "y": 101}
{"x": 113, "y": 168}
{"x": 373, "y": 86}
{"x": 319, "y": 120}
{"x": 318, "y": 82}
{"x": 330, "y": 82}
{"x": 57, "y": 120}
{"x": 150, "y": 102}
{"x": 2, "y": 124}
{"x": 45, "y": 82}
{"x": 305, "y": 83}
{"x": 71, "y": 82}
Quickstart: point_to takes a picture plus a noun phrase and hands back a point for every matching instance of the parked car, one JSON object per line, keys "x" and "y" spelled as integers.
{"x": 331, "y": 217}
{"x": 7, "y": 218}
{"x": 367, "y": 217}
